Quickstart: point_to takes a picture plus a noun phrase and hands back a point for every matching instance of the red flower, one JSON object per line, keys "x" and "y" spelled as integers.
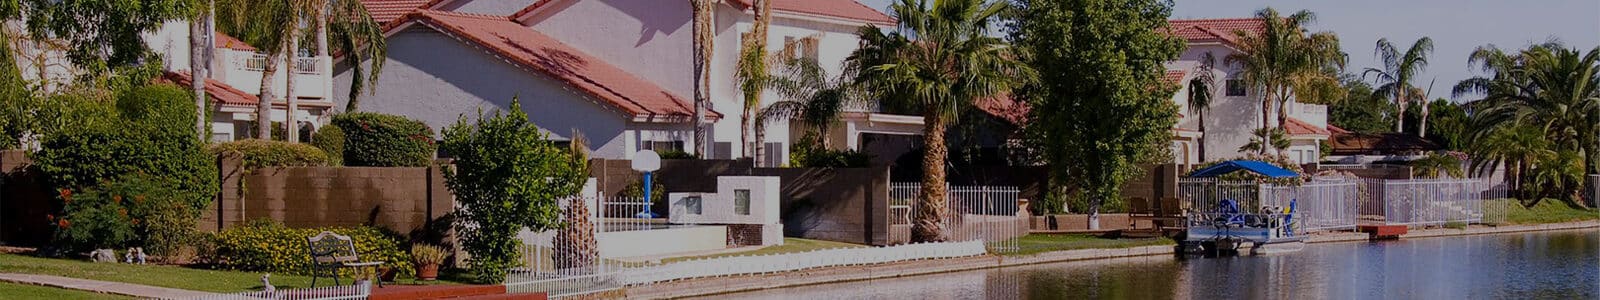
{"x": 50, "y": 218}
{"x": 135, "y": 221}
{"x": 116, "y": 199}
{"x": 122, "y": 211}
{"x": 63, "y": 223}
{"x": 66, "y": 195}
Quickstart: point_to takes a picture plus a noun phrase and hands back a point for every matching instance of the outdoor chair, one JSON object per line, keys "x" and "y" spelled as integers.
{"x": 331, "y": 252}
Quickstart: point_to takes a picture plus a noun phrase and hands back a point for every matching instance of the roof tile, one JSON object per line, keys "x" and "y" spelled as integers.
{"x": 1298, "y": 127}
{"x": 1215, "y": 30}
{"x": 846, "y": 9}
{"x": 220, "y": 93}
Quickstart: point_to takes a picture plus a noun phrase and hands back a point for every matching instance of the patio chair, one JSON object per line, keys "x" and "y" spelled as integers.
{"x": 331, "y": 252}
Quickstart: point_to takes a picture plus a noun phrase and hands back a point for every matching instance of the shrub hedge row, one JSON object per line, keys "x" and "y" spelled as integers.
{"x": 263, "y": 153}
{"x": 267, "y": 246}
{"x": 379, "y": 140}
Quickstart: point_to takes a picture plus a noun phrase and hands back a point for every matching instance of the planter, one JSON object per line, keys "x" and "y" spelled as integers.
{"x": 428, "y": 272}
{"x": 387, "y": 274}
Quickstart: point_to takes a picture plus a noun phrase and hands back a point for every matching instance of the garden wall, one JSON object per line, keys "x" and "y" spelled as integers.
{"x": 400, "y": 199}
{"x": 23, "y": 202}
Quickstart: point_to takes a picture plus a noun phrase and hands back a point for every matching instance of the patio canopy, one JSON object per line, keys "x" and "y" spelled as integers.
{"x": 1258, "y": 167}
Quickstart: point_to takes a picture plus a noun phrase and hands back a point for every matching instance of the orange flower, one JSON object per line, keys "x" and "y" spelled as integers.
{"x": 138, "y": 199}
{"x": 63, "y": 223}
{"x": 116, "y": 199}
{"x": 66, "y": 195}
{"x": 135, "y": 221}
{"x": 122, "y": 211}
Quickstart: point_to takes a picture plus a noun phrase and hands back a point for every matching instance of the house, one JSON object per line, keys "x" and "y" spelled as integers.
{"x": 620, "y": 72}
{"x": 234, "y": 81}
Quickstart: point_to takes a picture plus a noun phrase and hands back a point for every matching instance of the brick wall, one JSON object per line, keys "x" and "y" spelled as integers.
{"x": 400, "y": 199}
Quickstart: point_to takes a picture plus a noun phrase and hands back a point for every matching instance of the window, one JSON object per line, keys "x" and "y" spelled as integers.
{"x": 741, "y": 202}
{"x": 691, "y": 205}
{"x": 659, "y": 146}
{"x": 800, "y": 47}
{"x": 1236, "y": 87}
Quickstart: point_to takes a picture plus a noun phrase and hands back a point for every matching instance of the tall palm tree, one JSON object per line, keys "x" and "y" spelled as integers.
{"x": 345, "y": 26}
{"x": 1285, "y": 58}
{"x": 1549, "y": 88}
{"x": 810, "y": 96}
{"x": 267, "y": 24}
{"x": 1202, "y": 90}
{"x": 199, "y": 49}
{"x": 703, "y": 37}
{"x": 1394, "y": 79}
{"x": 752, "y": 73}
{"x": 940, "y": 60}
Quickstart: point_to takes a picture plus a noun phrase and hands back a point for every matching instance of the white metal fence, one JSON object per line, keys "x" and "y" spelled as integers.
{"x": 987, "y": 213}
{"x": 1433, "y": 201}
{"x": 1344, "y": 203}
{"x": 1319, "y": 205}
{"x": 361, "y": 290}
{"x": 567, "y": 261}
{"x": 773, "y": 263}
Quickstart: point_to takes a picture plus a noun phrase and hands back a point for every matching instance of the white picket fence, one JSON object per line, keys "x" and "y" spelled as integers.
{"x": 344, "y": 292}
{"x": 773, "y": 263}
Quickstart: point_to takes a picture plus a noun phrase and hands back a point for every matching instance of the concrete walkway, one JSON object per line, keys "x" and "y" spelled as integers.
{"x": 104, "y": 287}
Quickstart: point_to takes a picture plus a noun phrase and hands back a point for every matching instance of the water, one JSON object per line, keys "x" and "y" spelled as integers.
{"x": 1546, "y": 265}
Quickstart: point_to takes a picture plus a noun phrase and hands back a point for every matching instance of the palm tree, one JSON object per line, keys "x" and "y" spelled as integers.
{"x": 809, "y": 95}
{"x": 263, "y": 23}
{"x": 1285, "y": 58}
{"x": 703, "y": 37}
{"x": 1547, "y": 88}
{"x": 752, "y": 73}
{"x": 350, "y": 27}
{"x": 199, "y": 49}
{"x": 1201, "y": 92}
{"x": 1394, "y": 79}
{"x": 940, "y": 60}
{"x": 1266, "y": 139}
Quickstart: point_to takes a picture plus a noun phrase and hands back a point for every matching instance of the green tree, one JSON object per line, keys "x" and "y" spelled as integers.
{"x": 1265, "y": 139}
{"x": 810, "y": 96}
{"x": 507, "y": 176}
{"x": 1394, "y": 79}
{"x": 940, "y": 59}
{"x": 104, "y": 34}
{"x": 752, "y": 74}
{"x": 1100, "y": 99}
{"x": 1361, "y": 110}
{"x": 1202, "y": 91}
{"x": 1288, "y": 62}
{"x": 1450, "y": 123}
{"x": 1548, "y": 88}
{"x": 270, "y": 25}
{"x": 353, "y": 32}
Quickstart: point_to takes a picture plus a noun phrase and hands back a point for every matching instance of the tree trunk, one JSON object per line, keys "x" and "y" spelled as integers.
{"x": 929, "y": 226}
{"x": 291, "y": 124}
{"x": 1266, "y": 108}
{"x": 1400, "y": 118}
{"x": 264, "y": 107}
{"x": 1202, "y": 141}
{"x": 575, "y": 246}
{"x": 1422, "y": 124}
{"x": 752, "y": 103}
{"x": 761, "y": 146}
{"x": 703, "y": 37}
{"x": 197, "y": 74}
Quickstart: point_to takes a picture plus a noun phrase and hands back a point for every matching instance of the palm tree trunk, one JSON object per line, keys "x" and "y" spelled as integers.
{"x": 760, "y": 145}
{"x": 1202, "y": 140}
{"x": 264, "y": 107}
{"x": 702, "y": 71}
{"x": 929, "y": 226}
{"x": 1422, "y": 125}
{"x": 291, "y": 126}
{"x": 1400, "y": 118}
{"x": 198, "y": 74}
{"x": 1266, "y": 106}
{"x": 752, "y": 103}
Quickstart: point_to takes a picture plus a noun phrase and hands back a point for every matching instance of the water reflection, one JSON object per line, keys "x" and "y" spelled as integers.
{"x": 1549, "y": 265}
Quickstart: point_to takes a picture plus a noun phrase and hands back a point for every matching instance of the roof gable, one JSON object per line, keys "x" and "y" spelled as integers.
{"x": 1298, "y": 127}
{"x": 638, "y": 98}
{"x": 220, "y": 93}
{"x": 383, "y": 11}
{"x": 1215, "y": 30}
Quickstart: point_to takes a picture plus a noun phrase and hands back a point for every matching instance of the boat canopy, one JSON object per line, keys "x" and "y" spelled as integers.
{"x": 1254, "y": 166}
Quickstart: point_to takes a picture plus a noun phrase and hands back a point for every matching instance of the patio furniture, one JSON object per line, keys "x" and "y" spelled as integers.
{"x": 331, "y": 252}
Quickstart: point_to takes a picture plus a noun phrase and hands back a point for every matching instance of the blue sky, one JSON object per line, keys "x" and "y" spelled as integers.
{"x": 1456, "y": 26}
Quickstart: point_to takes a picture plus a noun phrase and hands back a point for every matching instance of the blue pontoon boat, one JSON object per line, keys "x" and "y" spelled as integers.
{"x": 1226, "y": 226}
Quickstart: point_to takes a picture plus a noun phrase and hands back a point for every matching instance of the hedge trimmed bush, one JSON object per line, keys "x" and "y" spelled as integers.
{"x": 267, "y": 246}
{"x": 260, "y": 153}
{"x": 379, "y": 140}
{"x": 331, "y": 140}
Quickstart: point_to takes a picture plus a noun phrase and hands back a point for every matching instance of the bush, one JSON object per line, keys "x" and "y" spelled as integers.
{"x": 507, "y": 177}
{"x": 132, "y": 211}
{"x": 676, "y": 154}
{"x": 331, "y": 140}
{"x": 262, "y": 153}
{"x": 379, "y": 140}
{"x": 267, "y": 246}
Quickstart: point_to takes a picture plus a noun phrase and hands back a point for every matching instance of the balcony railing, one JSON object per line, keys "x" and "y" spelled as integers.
{"x": 256, "y": 62}
{"x": 302, "y": 65}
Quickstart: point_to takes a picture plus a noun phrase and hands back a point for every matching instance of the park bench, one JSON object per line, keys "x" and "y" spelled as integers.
{"x": 331, "y": 252}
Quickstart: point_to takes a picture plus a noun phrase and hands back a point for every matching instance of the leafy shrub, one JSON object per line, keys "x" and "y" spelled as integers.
{"x": 262, "y": 153}
{"x": 508, "y": 177}
{"x": 267, "y": 246}
{"x": 331, "y": 140}
{"x": 809, "y": 153}
{"x": 379, "y": 140}
{"x": 132, "y": 211}
{"x": 676, "y": 154}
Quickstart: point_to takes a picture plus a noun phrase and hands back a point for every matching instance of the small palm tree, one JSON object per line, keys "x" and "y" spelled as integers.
{"x": 269, "y": 25}
{"x": 810, "y": 96}
{"x": 1266, "y": 139}
{"x": 939, "y": 60}
{"x": 752, "y": 74}
{"x": 1202, "y": 90}
{"x": 1287, "y": 62}
{"x": 1546, "y": 92}
{"x": 1394, "y": 79}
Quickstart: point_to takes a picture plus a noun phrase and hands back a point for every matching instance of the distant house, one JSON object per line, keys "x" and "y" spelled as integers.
{"x": 618, "y": 71}
{"x": 1361, "y": 148}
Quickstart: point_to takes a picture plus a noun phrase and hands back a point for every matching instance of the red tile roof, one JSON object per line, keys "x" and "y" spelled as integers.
{"x": 1006, "y": 108}
{"x": 383, "y": 11}
{"x": 1336, "y": 130}
{"x": 1215, "y": 30}
{"x": 220, "y": 93}
{"x": 637, "y": 97}
{"x": 224, "y": 41}
{"x": 1298, "y": 127}
{"x": 845, "y": 9}
{"x": 1173, "y": 76}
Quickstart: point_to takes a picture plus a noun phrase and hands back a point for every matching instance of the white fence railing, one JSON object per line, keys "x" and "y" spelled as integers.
{"x": 1433, "y": 201}
{"x": 1343, "y": 203}
{"x": 302, "y": 65}
{"x": 772, "y": 263}
{"x": 1319, "y": 205}
{"x": 987, "y": 213}
{"x": 358, "y": 291}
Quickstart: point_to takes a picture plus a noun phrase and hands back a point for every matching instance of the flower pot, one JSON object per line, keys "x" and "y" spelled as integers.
{"x": 387, "y": 274}
{"x": 428, "y": 272}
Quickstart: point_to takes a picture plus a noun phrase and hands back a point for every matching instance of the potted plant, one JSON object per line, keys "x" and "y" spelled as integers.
{"x": 428, "y": 258}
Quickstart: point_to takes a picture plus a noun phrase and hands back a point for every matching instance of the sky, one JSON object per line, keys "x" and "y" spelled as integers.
{"x": 1456, "y": 26}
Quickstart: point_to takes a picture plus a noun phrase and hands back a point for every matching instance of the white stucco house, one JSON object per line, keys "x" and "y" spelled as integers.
{"x": 618, "y": 71}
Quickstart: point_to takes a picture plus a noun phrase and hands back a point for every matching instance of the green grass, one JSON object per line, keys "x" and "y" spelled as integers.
{"x": 23, "y": 291}
{"x": 162, "y": 276}
{"x": 790, "y": 245}
{"x": 1040, "y": 243}
{"x": 1547, "y": 211}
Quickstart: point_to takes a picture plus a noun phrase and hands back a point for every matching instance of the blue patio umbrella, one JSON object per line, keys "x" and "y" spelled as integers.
{"x": 1253, "y": 166}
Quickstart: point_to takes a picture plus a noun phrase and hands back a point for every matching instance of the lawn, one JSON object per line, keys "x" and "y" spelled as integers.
{"x": 790, "y": 245}
{"x": 162, "y": 276}
{"x": 23, "y": 291}
{"x": 1547, "y": 211}
{"x": 1040, "y": 243}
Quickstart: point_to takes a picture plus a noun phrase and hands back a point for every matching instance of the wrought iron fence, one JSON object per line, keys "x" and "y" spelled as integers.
{"x": 773, "y": 263}
{"x": 1318, "y": 205}
{"x": 987, "y": 213}
{"x": 1425, "y": 202}
{"x": 360, "y": 290}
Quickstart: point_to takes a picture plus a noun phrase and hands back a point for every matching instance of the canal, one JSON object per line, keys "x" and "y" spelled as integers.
{"x": 1543, "y": 265}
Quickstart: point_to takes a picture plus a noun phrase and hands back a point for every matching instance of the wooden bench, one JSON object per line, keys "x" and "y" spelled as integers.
{"x": 331, "y": 252}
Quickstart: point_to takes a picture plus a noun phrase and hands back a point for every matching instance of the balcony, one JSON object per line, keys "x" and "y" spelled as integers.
{"x": 243, "y": 71}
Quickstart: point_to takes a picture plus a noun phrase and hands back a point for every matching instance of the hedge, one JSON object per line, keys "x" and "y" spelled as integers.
{"x": 267, "y": 246}
{"x": 379, "y": 140}
{"x": 331, "y": 140}
{"x": 261, "y": 153}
